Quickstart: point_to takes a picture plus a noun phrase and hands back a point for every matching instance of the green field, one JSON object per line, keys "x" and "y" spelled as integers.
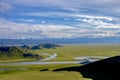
{"x": 65, "y": 53}
{"x": 68, "y": 52}
{"x": 17, "y": 60}
{"x": 32, "y": 72}
{"x": 49, "y": 75}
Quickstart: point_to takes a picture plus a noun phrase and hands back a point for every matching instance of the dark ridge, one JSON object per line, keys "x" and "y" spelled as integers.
{"x": 107, "y": 69}
{"x": 41, "y": 46}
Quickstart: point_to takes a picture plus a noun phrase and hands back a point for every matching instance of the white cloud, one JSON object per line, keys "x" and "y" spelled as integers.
{"x": 101, "y": 24}
{"x": 49, "y": 14}
{"x": 95, "y": 26}
{"x": 67, "y": 15}
{"x": 99, "y": 28}
{"x": 4, "y": 7}
{"x": 95, "y": 17}
{"x": 26, "y": 20}
{"x": 73, "y": 5}
{"x": 14, "y": 30}
{"x": 43, "y": 22}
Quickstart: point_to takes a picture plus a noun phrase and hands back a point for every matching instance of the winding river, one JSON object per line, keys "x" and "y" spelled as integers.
{"x": 38, "y": 62}
{"x": 80, "y": 60}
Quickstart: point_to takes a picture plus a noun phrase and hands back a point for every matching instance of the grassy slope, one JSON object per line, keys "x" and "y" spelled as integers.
{"x": 12, "y": 52}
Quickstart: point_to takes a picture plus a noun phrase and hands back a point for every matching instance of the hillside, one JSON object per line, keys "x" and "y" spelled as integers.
{"x": 24, "y": 51}
{"x": 15, "y": 52}
{"x": 11, "y": 52}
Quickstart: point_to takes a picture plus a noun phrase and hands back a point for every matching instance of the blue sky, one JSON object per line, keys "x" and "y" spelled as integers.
{"x": 21, "y": 19}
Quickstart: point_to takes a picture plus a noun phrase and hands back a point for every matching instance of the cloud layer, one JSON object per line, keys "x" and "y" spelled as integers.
{"x": 59, "y": 18}
{"x": 14, "y": 30}
{"x": 4, "y": 7}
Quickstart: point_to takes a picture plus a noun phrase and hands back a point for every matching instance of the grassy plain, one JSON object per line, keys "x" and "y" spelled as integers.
{"x": 68, "y": 52}
{"x": 49, "y": 75}
{"x": 65, "y": 53}
{"x": 32, "y": 72}
{"x": 17, "y": 60}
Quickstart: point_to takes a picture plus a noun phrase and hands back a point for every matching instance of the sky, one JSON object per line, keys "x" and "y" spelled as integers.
{"x": 24, "y": 19}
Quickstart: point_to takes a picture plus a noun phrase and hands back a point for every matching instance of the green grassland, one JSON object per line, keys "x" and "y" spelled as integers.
{"x": 68, "y": 52}
{"x": 32, "y": 72}
{"x": 49, "y": 75}
{"x": 65, "y": 53}
{"x": 17, "y": 60}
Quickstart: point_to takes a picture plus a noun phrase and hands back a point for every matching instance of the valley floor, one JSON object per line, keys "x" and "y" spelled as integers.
{"x": 65, "y": 53}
